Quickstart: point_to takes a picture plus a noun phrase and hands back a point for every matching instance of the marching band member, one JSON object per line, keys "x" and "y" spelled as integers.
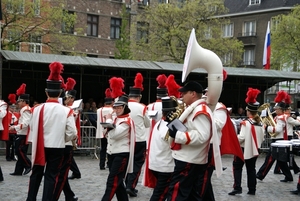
{"x": 251, "y": 136}
{"x": 23, "y": 161}
{"x": 3, "y": 126}
{"x": 48, "y": 142}
{"x": 68, "y": 159}
{"x": 160, "y": 160}
{"x": 141, "y": 121}
{"x": 13, "y": 117}
{"x": 281, "y": 134}
{"x": 101, "y": 131}
{"x": 121, "y": 141}
{"x": 192, "y": 155}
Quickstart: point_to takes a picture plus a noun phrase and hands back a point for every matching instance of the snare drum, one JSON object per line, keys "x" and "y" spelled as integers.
{"x": 296, "y": 148}
{"x": 284, "y": 141}
{"x": 281, "y": 151}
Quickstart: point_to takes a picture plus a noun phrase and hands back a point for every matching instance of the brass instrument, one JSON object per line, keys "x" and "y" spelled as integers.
{"x": 267, "y": 120}
{"x": 176, "y": 114}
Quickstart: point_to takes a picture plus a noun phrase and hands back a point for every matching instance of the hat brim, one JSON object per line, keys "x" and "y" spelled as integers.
{"x": 119, "y": 104}
{"x": 183, "y": 89}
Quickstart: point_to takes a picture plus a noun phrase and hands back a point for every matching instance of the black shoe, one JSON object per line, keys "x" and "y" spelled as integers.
{"x": 15, "y": 174}
{"x": 102, "y": 168}
{"x": 234, "y": 192}
{"x": 296, "y": 192}
{"x": 136, "y": 191}
{"x": 8, "y": 159}
{"x": 72, "y": 199}
{"x": 131, "y": 193}
{"x": 27, "y": 170}
{"x": 258, "y": 177}
{"x": 297, "y": 171}
{"x": 251, "y": 193}
{"x": 1, "y": 178}
{"x": 286, "y": 180}
{"x": 278, "y": 172}
{"x": 74, "y": 177}
{"x": 224, "y": 168}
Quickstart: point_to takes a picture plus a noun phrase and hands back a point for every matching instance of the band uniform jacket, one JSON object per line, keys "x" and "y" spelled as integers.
{"x": 279, "y": 128}
{"x": 156, "y": 106}
{"x": 251, "y": 141}
{"x": 3, "y": 112}
{"x": 121, "y": 139}
{"x": 25, "y": 115}
{"x": 160, "y": 154}
{"x": 195, "y": 141}
{"x": 57, "y": 124}
{"x": 13, "y": 118}
{"x": 101, "y": 112}
{"x": 290, "y": 123}
{"x": 140, "y": 118}
{"x": 76, "y": 115}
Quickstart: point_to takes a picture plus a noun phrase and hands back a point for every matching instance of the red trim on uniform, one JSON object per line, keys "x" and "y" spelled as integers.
{"x": 175, "y": 191}
{"x": 254, "y": 135}
{"x": 70, "y": 113}
{"x": 145, "y": 110}
{"x": 4, "y": 134}
{"x": 188, "y": 138}
{"x": 114, "y": 188}
{"x": 40, "y": 149}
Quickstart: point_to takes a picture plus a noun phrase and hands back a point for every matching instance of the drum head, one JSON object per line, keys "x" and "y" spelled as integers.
{"x": 284, "y": 141}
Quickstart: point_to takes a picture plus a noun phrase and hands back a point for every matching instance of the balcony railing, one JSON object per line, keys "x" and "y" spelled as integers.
{"x": 246, "y": 34}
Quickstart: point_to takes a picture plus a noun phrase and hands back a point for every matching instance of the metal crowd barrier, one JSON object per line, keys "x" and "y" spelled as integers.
{"x": 89, "y": 143}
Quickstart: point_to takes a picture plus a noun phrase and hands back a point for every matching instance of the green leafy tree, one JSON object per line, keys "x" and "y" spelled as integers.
{"x": 123, "y": 43}
{"x": 286, "y": 41}
{"x": 37, "y": 21}
{"x": 164, "y": 29}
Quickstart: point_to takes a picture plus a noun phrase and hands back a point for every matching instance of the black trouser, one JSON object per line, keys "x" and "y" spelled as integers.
{"x": 54, "y": 158}
{"x": 186, "y": 181}
{"x": 21, "y": 151}
{"x": 269, "y": 160}
{"x": 251, "y": 173}
{"x": 298, "y": 184}
{"x": 103, "y": 152}
{"x": 139, "y": 159}
{"x": 207, "y": 193}
{"x": 10, "y": 147}
{"x": 74, "y": 168}
{"x": 160, "y": 191}
{"x": 117, "y": 164}
{"x": 63, "y": 182}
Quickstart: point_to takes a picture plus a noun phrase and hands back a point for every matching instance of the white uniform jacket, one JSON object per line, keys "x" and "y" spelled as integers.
{"x": 220, "y": 117}
{"x": 140, "y": 118}
{"x": 101, "y": 112}
{"x": 24, "y": 119}
{"x": 56, "y": 123}
{"x": 279, "y": 128}
{"x": 3, "y": 112}
{"x": 195, "y": 141}
{"x": 160, "y": 154}
{"x": 251, "y": 139}
{"x": 290, "y": 123}
{"x": 156, "y": 106}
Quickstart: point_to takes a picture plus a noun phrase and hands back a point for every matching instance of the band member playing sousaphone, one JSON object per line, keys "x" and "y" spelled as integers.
{"x": 101, "y": 131}
{"x": 280, "y": 134}
{"x": 121, "y": 141}
{"x": 250, "y": 137}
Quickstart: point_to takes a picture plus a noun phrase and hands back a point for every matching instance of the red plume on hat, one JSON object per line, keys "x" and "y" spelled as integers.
{"x": 172, "y": 86}
{"x": 117, "y": 86}
{"x": 70, "y": 84}
{"x": 21, "y": 90}
{"x": 138, "y": 81}
{"x": 224, "y": 75}
{"x": 280, "y": 97}
{"x": 251, "y": 95}
{"x": 12, "y": 98}
{"x": 108, "y": 93}
{"x": 63, "y": 84}
{"x": 161, "y": 79}
{"x": 56, "y": 69}
{"x": 287, "y": 99}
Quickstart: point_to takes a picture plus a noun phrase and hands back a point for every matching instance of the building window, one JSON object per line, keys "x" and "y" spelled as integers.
{"x": 37, "y": 7}
{"x": 143, "y": 2}
{"x": 163, "y": 1}
{"x": 249, "y": 28}
{"x": 35, "y": 44}
{"x": 15, "y": 6}
{"x": 115, "y": 27}
{"x": 67, "y": 26}
{"x": 14, "y": 37}
{"x": 142, "y": 31}
{"x": 207, "y": 33}
{"x": 227, "y": 59}
{"x": 227, "y": 30}
{"x": 249, "y": 57}
{"x": 254, "y": 2}
{"x": 92, "y": 25}
{"x": 274, "y": 23}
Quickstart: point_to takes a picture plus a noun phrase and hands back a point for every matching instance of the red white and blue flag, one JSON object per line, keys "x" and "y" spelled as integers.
{"x": 267, "y": 49}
